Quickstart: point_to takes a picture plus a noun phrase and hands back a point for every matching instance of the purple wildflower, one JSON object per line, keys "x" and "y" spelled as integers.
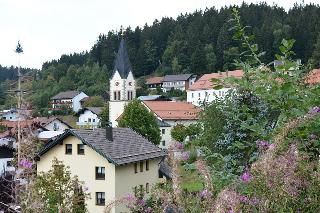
{"x": 245, "y": 177}
{"x": 244, "y": 199}
{"x": 141, "y": 202}
{"x": 272, "y": 146}
{"x": 205, "y": 194}
{"x": 231, "y": 211}
{"x": 179, "y": 145}
{"x": 129, "y": 197}
{"x": 148, "y": 210}
{"x": 263, "y": 144}
{"x": 26, "y": 164}
{"x": 254, "y": 201}
{"x": 185, "y": 156}
{"x": 314, "y": 110}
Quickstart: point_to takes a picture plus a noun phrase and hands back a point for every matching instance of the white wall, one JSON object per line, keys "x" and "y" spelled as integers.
{"x": 84, "y": 119}
{"x": 76, "y": 101}
{"x": 167, "y": 136}
{"x": 3, "y": 165}
{"x": 199, "y": 96}
{"x": 10, "y": 116}
{"x": 60, "y": 126}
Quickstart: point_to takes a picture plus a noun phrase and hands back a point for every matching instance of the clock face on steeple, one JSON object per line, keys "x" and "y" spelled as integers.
{"x": 117, "y": 83}
{"x": 130, "y": 83}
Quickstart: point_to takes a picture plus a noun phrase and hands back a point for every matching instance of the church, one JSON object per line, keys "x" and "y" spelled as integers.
{"x": 122, "y": 85}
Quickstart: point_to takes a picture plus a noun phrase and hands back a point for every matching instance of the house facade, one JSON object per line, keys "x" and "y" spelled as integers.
{"x": 122, "y": 84}
{"x": 89, "y": 117}
{"x": 112, "y": 163}
{"x": 15, "y": 115}
{"x": 7, "y": 149}
{"x": 69, "y": 99}
{"x": 180, "y": 82}
{"x": 52, "y": 123}
{"x": 154, "y": 82}
{"x": 169, "y": 114}
{"x": 202, "y": 90}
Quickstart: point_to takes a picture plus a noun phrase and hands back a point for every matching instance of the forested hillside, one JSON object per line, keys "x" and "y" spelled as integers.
{"x": 198, "y": 43}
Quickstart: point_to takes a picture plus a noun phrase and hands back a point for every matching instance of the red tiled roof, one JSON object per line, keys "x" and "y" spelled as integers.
{"x": 154, "y": 80}
{"x": 314, "y": 77}
{"x": 169, "y": 110}
{"x": 205, "y": 81}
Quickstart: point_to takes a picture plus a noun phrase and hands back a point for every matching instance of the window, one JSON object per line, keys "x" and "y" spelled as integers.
{"x": 114, "y": 95}
{"x": 206, "y": 94}
{"x": 93, "y": 120}
{"x": 9, "y": 163}
{"x": 163, "y": 143}
{"x": 89, "y": 120}
{"x": 55, "y": 127}
{"x": 68, "y": 149}
{"x": 119, "y": 95}
{"x": 141, "y": 166}
{"x": 147, "y": 188}
{"x": 147, "y": 165}
{"x": 192, "y": 95}
{"x": 163, "y": 131}
{"x": 135, "y": 167}
{"x": 80, "y": 149}
{"x": 100, "y": 173}
{"x": 100, "y": 198}
{"x": 141, "y": 190}
{"x": 219, "y": 93}
{"x": 199, "y": 94}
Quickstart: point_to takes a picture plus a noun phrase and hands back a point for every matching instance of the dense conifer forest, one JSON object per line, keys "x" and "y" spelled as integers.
{"x": 200, "y": 42}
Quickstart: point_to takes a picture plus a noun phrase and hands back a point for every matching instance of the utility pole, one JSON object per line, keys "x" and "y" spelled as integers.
{"x": 18, "y": 50}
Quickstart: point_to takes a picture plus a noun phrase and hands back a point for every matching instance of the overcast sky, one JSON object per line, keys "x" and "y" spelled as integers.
{"x": 49, "y": 28}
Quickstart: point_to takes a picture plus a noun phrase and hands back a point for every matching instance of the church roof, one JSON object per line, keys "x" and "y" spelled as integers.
{"x": 122, "y": 62}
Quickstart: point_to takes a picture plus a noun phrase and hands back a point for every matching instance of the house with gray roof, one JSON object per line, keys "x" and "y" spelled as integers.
{"x": 89, "y": 117}
{"x": 180, "y": 82}
{"x": 69, "y": 99}
{"x": 112, "y": 162}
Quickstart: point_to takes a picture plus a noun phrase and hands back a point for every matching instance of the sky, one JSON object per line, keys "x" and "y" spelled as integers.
{"x": 49, "y": 28}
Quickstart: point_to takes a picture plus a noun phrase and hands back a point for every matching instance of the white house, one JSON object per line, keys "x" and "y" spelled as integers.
{"x": 13, "y": 114}
{"x": 180, "y": 82}
{"x": 7, "y": 149}
{"x": 112, "y": 163}
{"x": 202, "y": 90}
{"x": 52, "y": 123}
{"x": 122, "y": 85}
{"x": 89, "y": 117}
{"x": 68, "y": 99}
{"x": 171, "y": 113}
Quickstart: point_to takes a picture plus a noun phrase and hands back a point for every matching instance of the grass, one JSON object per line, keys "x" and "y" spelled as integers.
{"x": 191, "y": 181}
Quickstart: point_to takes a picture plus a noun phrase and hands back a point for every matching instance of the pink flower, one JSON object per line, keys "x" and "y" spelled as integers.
{"x": 263, "y": 144}
{"x": 314, "y": 110}
{"x": 26, "y": 164}
{"x": 205, "y": 194}
{"x": 245, "y": 177}
{"x": 185, "y": 156}
{"x": 179, "y": 145}
{"x": 272, "y": 146}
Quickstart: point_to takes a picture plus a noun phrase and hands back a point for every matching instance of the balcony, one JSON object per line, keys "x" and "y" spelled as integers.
{"x": 88, "y": 124}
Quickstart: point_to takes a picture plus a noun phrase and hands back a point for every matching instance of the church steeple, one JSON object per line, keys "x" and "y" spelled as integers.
{"x": 122, "y": 84}
{"x": 122, "y": 63}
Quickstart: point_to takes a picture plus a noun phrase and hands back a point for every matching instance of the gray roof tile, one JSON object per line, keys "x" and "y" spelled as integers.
{"x": 182, "y": 77}
{"x": 66, "y": 95}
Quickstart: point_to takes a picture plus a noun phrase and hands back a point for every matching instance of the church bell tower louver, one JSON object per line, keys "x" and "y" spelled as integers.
{"x": 122, "y": 84}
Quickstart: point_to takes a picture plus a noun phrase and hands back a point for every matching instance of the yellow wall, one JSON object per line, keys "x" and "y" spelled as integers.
{"x": 127, "y": 179}
{"x": 84, "y": 167}
{"x": 119, "y": 181}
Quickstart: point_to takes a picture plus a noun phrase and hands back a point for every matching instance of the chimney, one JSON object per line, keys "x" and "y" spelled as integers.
{"x": 109, "y": 134}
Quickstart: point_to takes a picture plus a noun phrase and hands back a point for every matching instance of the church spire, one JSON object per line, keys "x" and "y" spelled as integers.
{"x": 122, "y": 63}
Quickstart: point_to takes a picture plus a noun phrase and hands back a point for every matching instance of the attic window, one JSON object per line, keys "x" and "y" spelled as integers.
{"x": 68, "y": 149}
{"x": 80, "y": 149}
